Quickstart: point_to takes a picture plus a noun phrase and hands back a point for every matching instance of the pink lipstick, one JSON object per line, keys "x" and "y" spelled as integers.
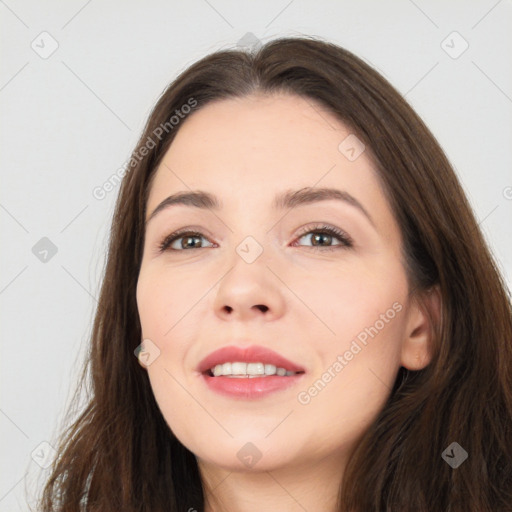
{"x": 249, "y": 373}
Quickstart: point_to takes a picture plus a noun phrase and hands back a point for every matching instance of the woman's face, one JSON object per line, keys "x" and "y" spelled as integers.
{"x": 260, "y": 274}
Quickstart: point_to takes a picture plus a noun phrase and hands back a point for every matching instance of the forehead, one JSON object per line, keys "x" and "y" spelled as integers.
{"x": 246, "y": 150}
{"x": 257, "y": 129}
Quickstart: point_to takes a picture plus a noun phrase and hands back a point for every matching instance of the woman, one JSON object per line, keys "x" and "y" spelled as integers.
{"x": 316, "y": 319}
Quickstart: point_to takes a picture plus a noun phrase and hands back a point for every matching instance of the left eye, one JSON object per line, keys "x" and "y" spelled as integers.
{"x": 327, "y": 234}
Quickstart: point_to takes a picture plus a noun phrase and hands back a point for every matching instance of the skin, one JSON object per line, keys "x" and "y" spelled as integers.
{"x": 245, "y": 151}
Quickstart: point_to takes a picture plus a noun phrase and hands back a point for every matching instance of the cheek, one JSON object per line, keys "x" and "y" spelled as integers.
{"x": 359, "y": 345}
{"x": 150, "y": 305}
{"x": 357, "y": 369}
{"x": 352, "y": 297}
{"x": 163, "y": 298}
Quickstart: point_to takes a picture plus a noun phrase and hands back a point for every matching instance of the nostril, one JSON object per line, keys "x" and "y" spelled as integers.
{"x": 262, "y": 308}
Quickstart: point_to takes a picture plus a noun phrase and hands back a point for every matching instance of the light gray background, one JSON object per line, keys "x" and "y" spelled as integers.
{"x": 70, "y": 120}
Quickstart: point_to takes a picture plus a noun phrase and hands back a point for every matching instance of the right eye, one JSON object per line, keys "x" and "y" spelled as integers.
{"x": 190, "y": 237}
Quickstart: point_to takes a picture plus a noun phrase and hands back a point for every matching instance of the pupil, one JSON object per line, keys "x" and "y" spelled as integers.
{"x": 193, "y": 244}
{"x": 321, "y": 235}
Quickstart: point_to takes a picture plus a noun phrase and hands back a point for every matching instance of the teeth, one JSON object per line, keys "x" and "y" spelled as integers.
{"x": 248, "y": 370}
{"x": 270, "y": 369}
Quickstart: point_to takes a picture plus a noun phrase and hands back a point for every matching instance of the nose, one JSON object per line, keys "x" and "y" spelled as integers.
{"x": 250, "y": 291}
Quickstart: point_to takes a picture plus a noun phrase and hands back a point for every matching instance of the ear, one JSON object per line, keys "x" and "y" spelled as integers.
{"x": 424, "y": 318}
{"x": 138, "y": 356}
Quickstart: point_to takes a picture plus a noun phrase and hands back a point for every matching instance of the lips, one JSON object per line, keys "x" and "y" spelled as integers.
{"x": 251, "y": 354}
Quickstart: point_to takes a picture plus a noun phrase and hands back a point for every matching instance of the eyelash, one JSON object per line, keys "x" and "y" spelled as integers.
{"x": 344, "y": 238}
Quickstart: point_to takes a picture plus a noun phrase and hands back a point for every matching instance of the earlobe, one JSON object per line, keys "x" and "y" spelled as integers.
{"x": 423, "y": 321}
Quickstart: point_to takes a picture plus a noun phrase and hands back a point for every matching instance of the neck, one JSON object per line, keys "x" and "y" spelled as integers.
{"x": 309, "y": 486}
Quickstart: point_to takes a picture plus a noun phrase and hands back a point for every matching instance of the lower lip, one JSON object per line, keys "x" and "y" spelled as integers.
{"x": 251, "y": 388}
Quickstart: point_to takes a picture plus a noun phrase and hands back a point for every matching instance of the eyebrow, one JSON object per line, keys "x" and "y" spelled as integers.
{"x": 288, "y": 199}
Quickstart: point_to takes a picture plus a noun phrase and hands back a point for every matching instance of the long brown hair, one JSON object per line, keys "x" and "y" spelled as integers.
{"x": 120, "y": 454}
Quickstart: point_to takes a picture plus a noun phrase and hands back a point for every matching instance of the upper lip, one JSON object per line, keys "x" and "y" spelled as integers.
{"x": 251, "y": 354}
